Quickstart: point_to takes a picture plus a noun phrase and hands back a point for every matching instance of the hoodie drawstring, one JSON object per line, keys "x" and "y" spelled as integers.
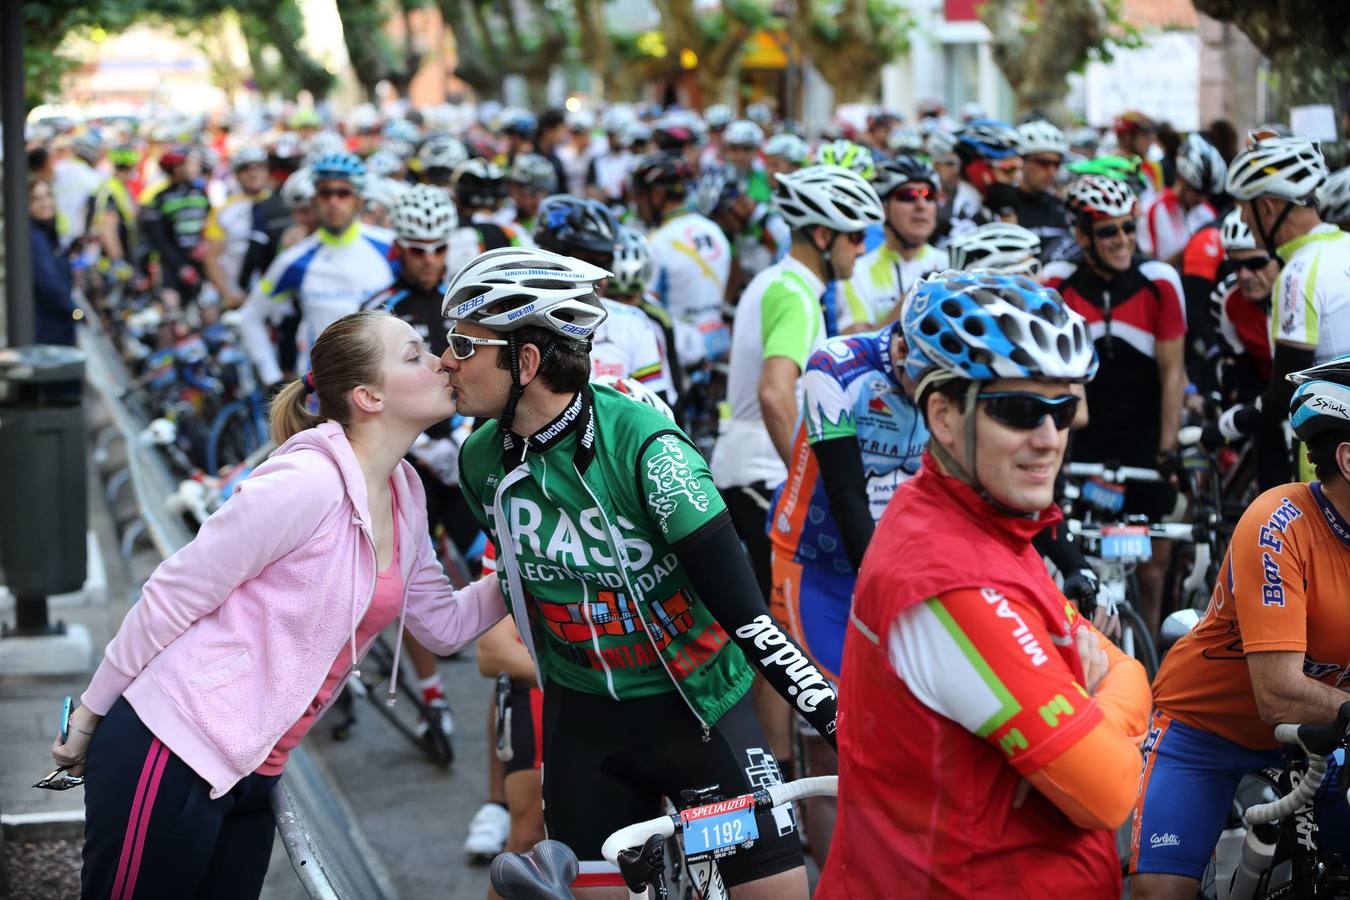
{"x": 356, "y": 602}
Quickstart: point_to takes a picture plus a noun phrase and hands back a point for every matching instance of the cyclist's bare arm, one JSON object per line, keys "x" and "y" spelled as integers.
{"x": 230, "y": 294}
{"x": 1172, "y": 375}
{"x": 109, "y": 236}
{"x": 501, "y": 652}
{"x": 778, "y": 402}
{"x": 1284, "y": 694}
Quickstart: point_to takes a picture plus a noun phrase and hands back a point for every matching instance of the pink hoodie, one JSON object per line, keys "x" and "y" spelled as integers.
{"x": 235, "y": 633}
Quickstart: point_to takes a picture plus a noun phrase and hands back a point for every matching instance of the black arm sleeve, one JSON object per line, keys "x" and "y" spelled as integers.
{"x": 1055, "y": 544}
{"x": 841, "y": 469}
{"x": 720, "y": 574}
{"x": 1275, "y": 401}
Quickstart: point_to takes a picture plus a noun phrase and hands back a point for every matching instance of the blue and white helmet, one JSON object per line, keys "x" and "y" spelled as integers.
{"x": 342, "y": 166}
{"x": 982, "y": 326}
{"x": 1322, "y": 399}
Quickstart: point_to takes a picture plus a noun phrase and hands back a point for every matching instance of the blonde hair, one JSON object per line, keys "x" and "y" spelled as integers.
{"x": 348, "y": 353}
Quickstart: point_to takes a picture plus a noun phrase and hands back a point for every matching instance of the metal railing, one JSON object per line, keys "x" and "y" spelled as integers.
{"x": 327, "y": 849}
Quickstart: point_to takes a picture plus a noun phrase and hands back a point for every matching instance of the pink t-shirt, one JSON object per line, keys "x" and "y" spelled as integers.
{"x": 383, "y": 609}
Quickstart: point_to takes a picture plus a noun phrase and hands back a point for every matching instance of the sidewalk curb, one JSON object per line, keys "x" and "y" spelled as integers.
{"x": 46, "y": 826}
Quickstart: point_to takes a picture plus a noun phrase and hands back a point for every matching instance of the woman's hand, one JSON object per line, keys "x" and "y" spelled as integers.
{"x": 72, "y": 753}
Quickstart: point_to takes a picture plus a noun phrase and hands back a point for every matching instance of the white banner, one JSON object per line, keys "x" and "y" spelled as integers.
{"x": 1160, "y": 79}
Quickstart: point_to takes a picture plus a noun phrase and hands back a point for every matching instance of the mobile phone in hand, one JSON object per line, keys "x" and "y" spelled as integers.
{"x": 65, "y": 720}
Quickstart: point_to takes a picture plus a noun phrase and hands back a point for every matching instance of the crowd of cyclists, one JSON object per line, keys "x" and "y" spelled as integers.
{"x": 861, "y": 359}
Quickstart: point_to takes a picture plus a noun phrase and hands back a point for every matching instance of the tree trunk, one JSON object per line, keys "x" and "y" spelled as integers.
{"x": 1037, "y": 56}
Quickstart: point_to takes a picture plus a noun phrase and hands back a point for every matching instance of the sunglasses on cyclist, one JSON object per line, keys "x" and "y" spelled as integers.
{"x": 414, "y": 248}
{"x": 1026, "y": 411}
{"x": 856, "y": 238}
{"x": 462, "y": 346}
{"x": 1046, "y": 162}
{"x": 915, "y": 194}
{"x": 340, "y": 193}
{"x": 1252, "y": 264}
{"x": 1110, "y": 231}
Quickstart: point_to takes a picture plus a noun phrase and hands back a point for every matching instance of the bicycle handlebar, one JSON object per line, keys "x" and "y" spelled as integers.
{"x": 1318, "y": 742}
{"x": 1163, "y": 531}
{"x": 665, "y": 826}
{"x": 1111, "y": 474}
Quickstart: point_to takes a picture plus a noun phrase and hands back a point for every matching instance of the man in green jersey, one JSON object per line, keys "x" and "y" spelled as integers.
{"x": 597, "y": 507}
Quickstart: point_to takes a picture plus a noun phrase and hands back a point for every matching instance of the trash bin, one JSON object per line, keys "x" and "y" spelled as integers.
{"x": 44, "y": 510}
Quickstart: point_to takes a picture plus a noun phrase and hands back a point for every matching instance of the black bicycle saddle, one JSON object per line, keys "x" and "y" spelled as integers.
{"x": 543, "y": 873}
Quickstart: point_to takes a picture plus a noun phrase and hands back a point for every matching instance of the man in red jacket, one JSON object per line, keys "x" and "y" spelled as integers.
{"x": 988, "y": 735}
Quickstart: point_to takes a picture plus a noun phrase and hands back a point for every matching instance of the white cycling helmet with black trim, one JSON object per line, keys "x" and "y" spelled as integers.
{"x": 719, "y": 115}
{"x": 512, "y": 287}
{"x": 837, "y": 198}
{"x": 1041, "y": 136}
{"x": 1321, "y": 401}
{"x": 1234, "y": 233}
{"x": 384, "y": 163}
{"x": 534, "y": 171}
{"x": 904, "y": 139}
{"x": 1099, "y": 197}
{"x": 1333, "y": 198}
{"x": 742, "y": 133}
{"x": 1201, "y": 165}
{"x": 940, "y": 144}
{"x": 441, "y": 151}
{"x": 637, "y": 391}
{"x": 478, "y": 183}
{"x": 1291, "y": 168}
{"x": 787, "y": 146}
{"x": 997, "y": 247}
{"x": 297, "y": 191}
{"x": 632, "y": 264}
{"x": 424, "y": 214}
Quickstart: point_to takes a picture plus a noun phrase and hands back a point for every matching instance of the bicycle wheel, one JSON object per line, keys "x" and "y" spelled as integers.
{"x": 234, "y": 436}
{"x": 410, "y": 715}
{"x": 1135, "y": 639}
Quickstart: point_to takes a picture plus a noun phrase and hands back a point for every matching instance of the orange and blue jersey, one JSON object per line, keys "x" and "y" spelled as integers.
{"x": 850, "y": 389}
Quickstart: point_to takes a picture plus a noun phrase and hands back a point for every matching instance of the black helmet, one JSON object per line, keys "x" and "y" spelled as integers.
{"x": 572, "y": 225}
{"x": 664, "y": 170}
{"x": 903, "y": 169}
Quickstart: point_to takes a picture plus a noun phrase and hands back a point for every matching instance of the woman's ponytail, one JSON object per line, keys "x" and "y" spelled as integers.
{"x": 289, "y": 414}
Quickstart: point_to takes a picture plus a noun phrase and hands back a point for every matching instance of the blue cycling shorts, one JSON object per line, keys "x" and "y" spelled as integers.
{"x": 813, "y": 606}
{"x": 1185, "y": 793}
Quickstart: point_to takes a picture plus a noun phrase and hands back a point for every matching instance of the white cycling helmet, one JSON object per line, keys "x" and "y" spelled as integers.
{"x": 760, "y": 114}
{"x": 941, "y": 143}
{"x": 904, "y": 139}
{"x": 1333, "y": 198}
{"x": 512, "y": 287}
{"x": 441, "y": 151}
{"x": 837, "y": 198}
{"x": 425, "y": 214}
{"x": 1201, "y": 166}
{"x": 298, "y": 189}
{"x": 384, "y": 163}
{"x": 534, "y": 171}
{"x": 248, "y": 155}
{"x": 617, "y": 119}
{"x": 632, "y": 264}
{"x": 1235, "y": 234}
{"x": 381, "y": 191}
{"x": 1099, "y": 197}
{"x": 743, "y": 133}
{"x": 1288, "y": 167}
{"x": 1041, "y": 136}
{"x": 719, "y": 115}
{"x": 787, "y": 146}
{"x": 997, "y": 247}
{"x": 635, "y": 390}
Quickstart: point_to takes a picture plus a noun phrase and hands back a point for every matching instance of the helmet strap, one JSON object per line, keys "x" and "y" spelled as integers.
{"x": 1268, "y": 236}
{"x": 960, "y": 472}
{"x": 826, "y": 262}
{"x": 905, "y": 244}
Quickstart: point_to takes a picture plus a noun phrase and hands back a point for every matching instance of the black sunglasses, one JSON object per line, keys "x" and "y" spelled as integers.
{"x": 856, "y": 238}
{"x": 1026, "y": 411}
{"x": 1110, "y": 231}
{"x": 1253, "y": 263}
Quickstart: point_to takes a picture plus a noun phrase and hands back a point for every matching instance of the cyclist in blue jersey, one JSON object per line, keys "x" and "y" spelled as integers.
{"x": 328, "y": 274}
{"x": 860, "y": 436}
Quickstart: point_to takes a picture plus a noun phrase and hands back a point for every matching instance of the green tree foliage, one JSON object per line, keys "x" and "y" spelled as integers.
{"x": 374, "y": 53}
{"x": 849, "y": 41}
{"x": 520, "y": 37}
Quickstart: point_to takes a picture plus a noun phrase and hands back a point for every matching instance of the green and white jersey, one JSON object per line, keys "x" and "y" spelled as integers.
{"x": 1311, "y": 302}
{"x": 880, "y": 279}
{"x": 584, "y": 530}
{"x": 778, "y": 314}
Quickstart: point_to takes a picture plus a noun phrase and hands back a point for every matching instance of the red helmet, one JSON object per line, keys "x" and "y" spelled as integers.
{"x": 173, "y": 157}
{"x": 1133, "y": 121}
